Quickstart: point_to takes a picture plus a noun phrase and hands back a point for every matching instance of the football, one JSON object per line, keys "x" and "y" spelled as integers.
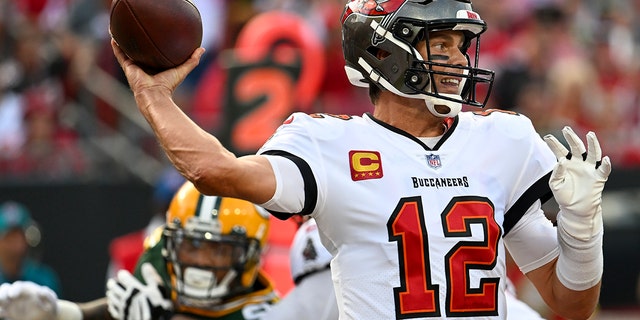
{"x": 156, "y": 34}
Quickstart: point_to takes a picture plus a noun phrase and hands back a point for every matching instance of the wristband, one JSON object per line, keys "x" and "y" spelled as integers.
{"x": 68, "y": 310}
{"x": 581, "y": 262}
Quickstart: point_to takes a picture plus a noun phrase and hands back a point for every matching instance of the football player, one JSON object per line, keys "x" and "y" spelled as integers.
{"x": 203, "y": 263}
{"x": 417, "y": 201}
{"x": 313, "y": 292}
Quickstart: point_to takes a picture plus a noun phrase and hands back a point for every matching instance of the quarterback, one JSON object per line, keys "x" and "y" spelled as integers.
{"x": 418, "y": 201}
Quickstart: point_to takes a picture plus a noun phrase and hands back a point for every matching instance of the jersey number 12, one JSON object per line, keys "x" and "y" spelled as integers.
{"x": 417, "y": 296}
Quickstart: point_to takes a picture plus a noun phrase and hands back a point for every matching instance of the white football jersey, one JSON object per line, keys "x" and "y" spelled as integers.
{"x": 415, "y": 232}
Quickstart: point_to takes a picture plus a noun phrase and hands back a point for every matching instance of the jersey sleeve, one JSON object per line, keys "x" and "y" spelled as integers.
{"x": 293, "y": 142}
{"x": 533, "y": 241}
{"x": 529, "y": 235}
{"x": 536, "y": 163}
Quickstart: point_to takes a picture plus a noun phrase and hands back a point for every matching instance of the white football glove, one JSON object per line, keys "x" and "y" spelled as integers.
{"x": 25, "y": 300}
{"x": 577, "y": 182}
{"x": 130, "y": 299}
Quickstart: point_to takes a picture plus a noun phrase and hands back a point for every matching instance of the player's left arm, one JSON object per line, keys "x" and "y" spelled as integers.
{"x": 26, "y": 300}
{"x": 93, "y": 310}
{"x": 570, "y": 284}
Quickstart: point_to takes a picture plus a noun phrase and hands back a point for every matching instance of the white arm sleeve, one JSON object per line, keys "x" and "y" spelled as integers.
{"x": 289, "y": 195}
{"x": 533, "y": 241}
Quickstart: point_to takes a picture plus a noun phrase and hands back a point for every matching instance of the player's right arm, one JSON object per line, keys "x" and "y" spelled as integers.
{"x": 197, "y": 155}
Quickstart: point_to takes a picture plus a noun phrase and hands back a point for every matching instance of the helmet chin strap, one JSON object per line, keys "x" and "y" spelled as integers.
{"x": 432, "y": 102}
{"x": 454, "y": 107}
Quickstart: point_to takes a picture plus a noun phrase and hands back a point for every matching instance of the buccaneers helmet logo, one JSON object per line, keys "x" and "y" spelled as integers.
{"x": 373, "y": 7}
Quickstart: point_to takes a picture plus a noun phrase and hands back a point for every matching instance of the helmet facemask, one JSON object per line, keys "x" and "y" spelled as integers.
{"x": 204, "y": 285}
{"x": 212, "y": 248}
{"x": 420, "y": 76}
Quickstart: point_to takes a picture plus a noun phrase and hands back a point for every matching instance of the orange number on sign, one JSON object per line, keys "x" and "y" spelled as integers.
{"x": 254, "y": 128}
{"x": 417, "y": 296}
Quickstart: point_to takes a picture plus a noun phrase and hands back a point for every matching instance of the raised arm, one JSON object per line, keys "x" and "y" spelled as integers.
{"x": 570, "y": 284}
{"x": 197, "y": 155}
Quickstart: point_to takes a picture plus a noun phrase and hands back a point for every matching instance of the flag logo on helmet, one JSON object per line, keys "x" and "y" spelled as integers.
{"x": 472, "y": 15}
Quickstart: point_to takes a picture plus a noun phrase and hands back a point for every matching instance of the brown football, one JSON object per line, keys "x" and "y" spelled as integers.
{"x": 156, "y": 34}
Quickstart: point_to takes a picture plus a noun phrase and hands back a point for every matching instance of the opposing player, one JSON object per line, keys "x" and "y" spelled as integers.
{"x": 204, "y": 263}
{"x": 416, "y": 201}
{"x": 313, "y": 292}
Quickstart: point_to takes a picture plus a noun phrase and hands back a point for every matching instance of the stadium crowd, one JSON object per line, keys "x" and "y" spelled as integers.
{"x": 54, "y": 53}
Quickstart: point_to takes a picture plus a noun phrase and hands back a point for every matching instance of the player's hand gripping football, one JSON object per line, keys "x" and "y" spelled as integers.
{"x": 24, "y": 300}
{"x": 577, "y": 182}
{"x": 167, "y": 80}
{"x": 130, "y": 299}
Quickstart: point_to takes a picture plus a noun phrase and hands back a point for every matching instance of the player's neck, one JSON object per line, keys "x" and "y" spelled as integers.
{"x": 410, "y": 115}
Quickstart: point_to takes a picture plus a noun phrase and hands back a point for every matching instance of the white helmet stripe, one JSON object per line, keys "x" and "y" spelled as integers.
{"x": 208, "y": 208}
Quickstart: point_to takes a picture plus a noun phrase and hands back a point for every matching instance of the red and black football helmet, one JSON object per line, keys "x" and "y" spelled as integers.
{"x": 395, "y": 27}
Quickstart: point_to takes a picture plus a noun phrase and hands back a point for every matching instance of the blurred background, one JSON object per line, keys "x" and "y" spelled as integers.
{"x": 76, "y": 152}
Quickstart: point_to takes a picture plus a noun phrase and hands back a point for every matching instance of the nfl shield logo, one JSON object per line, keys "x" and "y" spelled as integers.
{"x": 433, "y": 160}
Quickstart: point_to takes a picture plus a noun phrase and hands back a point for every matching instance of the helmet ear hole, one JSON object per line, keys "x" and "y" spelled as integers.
{"x": 417, "y": 80}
